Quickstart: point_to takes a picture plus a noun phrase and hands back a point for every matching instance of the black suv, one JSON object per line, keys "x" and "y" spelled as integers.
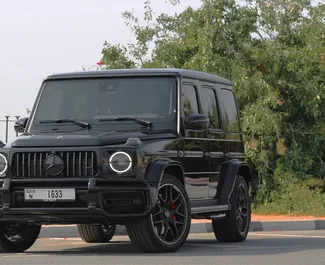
{"x": 150, "y": 149}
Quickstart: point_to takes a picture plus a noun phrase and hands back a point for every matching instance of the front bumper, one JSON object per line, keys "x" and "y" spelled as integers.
{"x": 97, "y": 200}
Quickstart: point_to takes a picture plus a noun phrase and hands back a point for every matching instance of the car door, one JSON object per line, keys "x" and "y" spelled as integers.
{"x": 218, "y": 145}
{"x": 195, "y": 146}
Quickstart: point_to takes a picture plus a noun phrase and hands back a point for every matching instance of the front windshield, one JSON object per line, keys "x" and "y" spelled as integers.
{"x": 149, "y": 98}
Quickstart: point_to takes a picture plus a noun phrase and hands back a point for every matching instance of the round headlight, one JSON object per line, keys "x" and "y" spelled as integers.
{"x": 120, "y": 162}
{"x": 3, "y": 164}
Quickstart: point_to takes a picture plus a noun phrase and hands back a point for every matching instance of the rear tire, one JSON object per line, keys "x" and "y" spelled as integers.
{"x": 17, "y": 238}
{"x": 96, "y": 233}
{"x": 235, "y": 226}
{"x": 166, "y": 228}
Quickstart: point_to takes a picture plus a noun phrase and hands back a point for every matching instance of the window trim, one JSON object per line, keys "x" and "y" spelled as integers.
{"x": 198, "y": 101}
{"x": 196, "y": 92}
{"x": 237, "y": 111}
{"x": 216, "y": 97}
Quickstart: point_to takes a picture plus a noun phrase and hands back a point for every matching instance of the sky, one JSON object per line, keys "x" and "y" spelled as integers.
{"x": 42, "y": 37}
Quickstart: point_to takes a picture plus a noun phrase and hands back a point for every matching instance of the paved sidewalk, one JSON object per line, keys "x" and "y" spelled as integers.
{"x": 259, "y": 223}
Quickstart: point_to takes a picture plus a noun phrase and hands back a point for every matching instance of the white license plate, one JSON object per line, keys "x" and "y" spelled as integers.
{"x": 55, "y": 194}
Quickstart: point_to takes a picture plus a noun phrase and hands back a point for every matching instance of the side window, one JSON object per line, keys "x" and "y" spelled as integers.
{"x": 189, "y": 100}
{"x": 209, "y": 106}
{"x": 229, "y": 105}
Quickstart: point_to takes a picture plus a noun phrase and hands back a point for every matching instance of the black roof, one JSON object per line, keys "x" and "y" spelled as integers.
{"x": 144, "y": 71}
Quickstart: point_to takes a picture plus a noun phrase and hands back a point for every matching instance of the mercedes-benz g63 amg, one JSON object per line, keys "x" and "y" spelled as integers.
{"x": 150, "y": 149}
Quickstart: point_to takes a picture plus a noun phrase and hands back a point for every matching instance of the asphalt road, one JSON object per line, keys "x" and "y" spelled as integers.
{"x": 260, "y": 248}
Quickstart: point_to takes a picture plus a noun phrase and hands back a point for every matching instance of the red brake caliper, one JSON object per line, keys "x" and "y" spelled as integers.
{"x": 173, "y": 207}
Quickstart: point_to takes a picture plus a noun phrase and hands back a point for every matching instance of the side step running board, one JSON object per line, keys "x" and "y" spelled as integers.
{"x": 210, "y": 209}
{"x": 217, "y": 216}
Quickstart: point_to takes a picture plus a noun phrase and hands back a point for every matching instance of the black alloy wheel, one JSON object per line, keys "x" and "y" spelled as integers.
{"x": 169, "y": 215}
{"x": 235, "y": 226}
{"x": 167, "y": 227}
{"x": 242, "y": 209}
{"x": 96, "y": 233}
{"x": 109, "y": 229}
{"x": 18, "y": 237}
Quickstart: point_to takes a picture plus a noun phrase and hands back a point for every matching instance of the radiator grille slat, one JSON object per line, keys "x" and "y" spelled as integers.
{"x": 17, "y": 164}
{"x": 34, "y": 163}
{"x": 40, "y": 165}
{"x": 28, "y": 162}
{"x": 68, "y": 165}
{"x": 76, "y": 164}
{"x": 23, "y": 167}
{"x": 80, "y": 157}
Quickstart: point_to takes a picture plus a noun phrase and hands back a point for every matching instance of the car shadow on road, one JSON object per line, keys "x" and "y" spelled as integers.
{"x": 200, "y": 247}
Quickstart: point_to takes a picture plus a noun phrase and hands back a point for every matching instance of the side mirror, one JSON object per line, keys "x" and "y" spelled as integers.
{"x": 20, "y": 125}
{"x": 196, "y": 121}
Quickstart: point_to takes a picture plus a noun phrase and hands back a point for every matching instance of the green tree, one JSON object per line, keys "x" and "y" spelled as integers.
{"x": 274, "y": 51}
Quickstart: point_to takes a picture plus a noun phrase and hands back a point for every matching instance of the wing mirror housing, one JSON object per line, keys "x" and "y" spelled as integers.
{"x": 20, "y": 125}
{"x": 196, "y": 122}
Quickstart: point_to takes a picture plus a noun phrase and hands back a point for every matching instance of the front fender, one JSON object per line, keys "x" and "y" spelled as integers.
{"x": 155, "y": 173}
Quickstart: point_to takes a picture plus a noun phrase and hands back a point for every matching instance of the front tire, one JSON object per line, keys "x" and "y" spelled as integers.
{"x": 167, "y": 227}
{"x": 17, "y": 238}
{"x": 235, "y": 226}
{"x": 96, "y": 233}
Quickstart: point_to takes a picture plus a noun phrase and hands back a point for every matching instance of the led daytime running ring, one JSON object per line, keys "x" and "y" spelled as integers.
{"x": 6, "y": 164}
{"x": 118, "y": 153}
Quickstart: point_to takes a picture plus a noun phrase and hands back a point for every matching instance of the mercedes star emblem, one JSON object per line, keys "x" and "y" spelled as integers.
{"x": 53, "y": 165}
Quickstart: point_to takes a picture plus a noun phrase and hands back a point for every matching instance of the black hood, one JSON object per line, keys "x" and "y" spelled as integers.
{"x": 95, "y": 139}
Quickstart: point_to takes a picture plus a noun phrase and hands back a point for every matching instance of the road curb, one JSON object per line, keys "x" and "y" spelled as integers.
{"x": 196, "y": 228}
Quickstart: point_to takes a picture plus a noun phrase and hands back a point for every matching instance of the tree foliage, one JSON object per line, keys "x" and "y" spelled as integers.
{"x": 274, "y": 51}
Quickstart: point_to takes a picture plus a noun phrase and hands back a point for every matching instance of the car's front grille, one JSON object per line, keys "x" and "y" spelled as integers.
{"x": 76, "y": 164}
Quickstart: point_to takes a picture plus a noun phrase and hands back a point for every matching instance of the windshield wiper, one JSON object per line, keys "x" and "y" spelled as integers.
{"x": 77, "y": 122}
{"x": 142, "y": 122}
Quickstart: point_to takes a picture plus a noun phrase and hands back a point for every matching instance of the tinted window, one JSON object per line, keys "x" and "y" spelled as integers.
{"x": 92, "y": 99}
{"x": 209, "y": 106}
{"x": 230, "y": 108}
{"x": 189, "y": 100}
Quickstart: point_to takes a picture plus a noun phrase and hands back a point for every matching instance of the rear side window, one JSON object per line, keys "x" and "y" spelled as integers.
{"x": 230, "y": 108}
{"x": 189, "y": 100}
{"x": 209, "y": 106}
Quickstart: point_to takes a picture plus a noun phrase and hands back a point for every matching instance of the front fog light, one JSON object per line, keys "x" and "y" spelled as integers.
{"x": 3, "y": 164}
{"x": 120, "y": 162}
